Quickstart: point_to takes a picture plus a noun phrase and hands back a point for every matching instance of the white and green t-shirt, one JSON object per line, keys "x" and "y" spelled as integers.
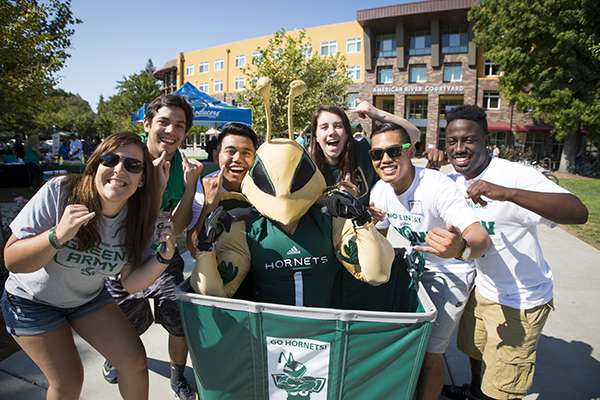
{"x": 431, "y": 200}
{"x": 513, "y": 272}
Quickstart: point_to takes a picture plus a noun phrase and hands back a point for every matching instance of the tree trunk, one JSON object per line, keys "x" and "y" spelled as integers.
{"x": 567, "y": 158}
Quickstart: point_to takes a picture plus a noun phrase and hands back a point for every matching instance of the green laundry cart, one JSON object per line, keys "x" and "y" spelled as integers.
{"x": 247, "y": 350}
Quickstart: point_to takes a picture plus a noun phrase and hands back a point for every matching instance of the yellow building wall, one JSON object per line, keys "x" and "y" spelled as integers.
{"x": 228, "y": 52}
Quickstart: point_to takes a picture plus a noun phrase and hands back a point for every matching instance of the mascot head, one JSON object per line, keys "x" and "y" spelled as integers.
{"x": 283, "y": 183}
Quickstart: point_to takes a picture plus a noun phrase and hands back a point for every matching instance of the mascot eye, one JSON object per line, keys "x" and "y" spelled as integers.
{"x": 261, "y": 179}
{"x": 304, "y": 173}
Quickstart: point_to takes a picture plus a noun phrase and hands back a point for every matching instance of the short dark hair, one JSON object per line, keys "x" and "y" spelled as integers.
{"x": 235, "y": 128}
{"x": 470, "y": 113}
{"x": 392, "y": 127}
{"x": 171, "y": 100}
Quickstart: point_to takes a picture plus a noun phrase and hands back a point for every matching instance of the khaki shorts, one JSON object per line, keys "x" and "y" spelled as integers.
{"x": 505, "y": 339}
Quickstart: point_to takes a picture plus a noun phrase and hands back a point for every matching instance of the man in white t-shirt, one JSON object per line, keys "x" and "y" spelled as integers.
{"x": 234, "y": 154}
{"x": 426, "y": 208}
{"x": 76, "y": 149}
{"x": 506, "y": 312}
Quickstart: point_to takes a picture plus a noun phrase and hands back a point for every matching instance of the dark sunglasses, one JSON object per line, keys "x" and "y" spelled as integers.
{"x": 132, "y": 165}
{"x": 394, "y": 151}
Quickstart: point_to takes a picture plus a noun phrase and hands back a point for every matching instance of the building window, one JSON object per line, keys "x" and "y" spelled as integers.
{"x": 256, "y": 57}
{"x": 354, "y": 72}
{"x": 497, "y": 138}
{"x": 189, "y": 69}
{"x": 351, "y": 100}
{"x": 329, "y": 48}
{"x": 491, "y": 100}
{"x": 240, "y": 60}
{"x": 417, "y": 108}
{"x": 307, "y": 50}
{"x": 454, "y": 41}
{"x": 354, "y": 45}
{"x": 419, "y": 43}
{"x": 203, "y": 87}
{"x": 418, "y": 74}
{"x": 218, "y": 86}
{"x": 448, "y": 104}
{"x": 385, "y": 75}
{"x": 203, "y": 67}
{"x": 490, "y": 69}
{"x": 386, "y": 46}
{"x": 452, "y": 72}
{"x": 240, "y": 83}
{"x": 533, "y": 141}
{"x": 218, "y": 64}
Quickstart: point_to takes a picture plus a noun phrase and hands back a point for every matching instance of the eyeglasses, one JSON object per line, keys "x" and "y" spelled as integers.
{"x": 394, "y": 151}
{"x": 132, "y": 165}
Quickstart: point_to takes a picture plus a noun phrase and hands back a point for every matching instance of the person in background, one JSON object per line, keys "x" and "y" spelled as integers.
{"x": 32, "y": 162}
{"x": 58, "y": 257}
{"x": 210, "y": 147}
{"x": 76, "y": 149}
{"x": 63, "y": 150}
{"x": 428, "y": 210}
{"x": 88, "y": 147}
{"x": 300, "y": 139}
{"x": 167, "y": 121}
{"x": 19, "y": 148}
{"x": 495, "y": 152}
{"x": 505, "y": 314}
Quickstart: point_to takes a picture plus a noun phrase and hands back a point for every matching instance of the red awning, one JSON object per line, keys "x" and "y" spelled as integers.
{"x": 498, "y": 126}
{"x": 533, "y": 128}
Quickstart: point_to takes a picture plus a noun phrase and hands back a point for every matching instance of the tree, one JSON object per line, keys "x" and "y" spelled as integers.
{"x": 114, "y": 115}
{"x": 66, "y": 111}
{"x": 549, "y": 53}
{"x": 34, "y": 41}
{"x": 286, "y": 58}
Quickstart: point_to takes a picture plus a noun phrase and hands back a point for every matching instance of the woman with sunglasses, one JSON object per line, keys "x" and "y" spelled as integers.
{"x": 345, "y": 162}
{"x": 75, "y": 231}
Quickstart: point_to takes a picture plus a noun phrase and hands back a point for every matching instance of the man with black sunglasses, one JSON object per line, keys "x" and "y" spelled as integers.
{"x": 166, "y": 123}
{"x": 427, "y": 209}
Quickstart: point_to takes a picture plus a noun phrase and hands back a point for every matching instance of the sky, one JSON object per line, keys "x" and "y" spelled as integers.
{"x": 117, "y": 37}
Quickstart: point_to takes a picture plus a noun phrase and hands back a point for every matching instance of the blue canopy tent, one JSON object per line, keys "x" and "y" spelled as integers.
{"x": 208, "y": 111}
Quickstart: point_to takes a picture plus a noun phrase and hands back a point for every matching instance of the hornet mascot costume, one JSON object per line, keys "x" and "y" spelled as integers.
{"x": 290, "y": 249}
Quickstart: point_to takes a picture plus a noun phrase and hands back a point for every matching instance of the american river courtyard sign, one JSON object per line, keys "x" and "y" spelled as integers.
{"x": 418, "y": 89}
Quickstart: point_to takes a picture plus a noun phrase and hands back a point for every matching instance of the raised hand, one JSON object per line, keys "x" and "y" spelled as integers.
{"x": 480, "y": 188}
{"x": 74, "y": 217}
{"x": 444, "y": 243}
{"x": 162, "y": 167}
{"x": 213, "y": 187}
{"x": 192, "y": 169}
{"x": 347, "y": 186}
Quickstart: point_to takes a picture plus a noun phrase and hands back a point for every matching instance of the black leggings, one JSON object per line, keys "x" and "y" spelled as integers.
{"x": 35, "y": 174}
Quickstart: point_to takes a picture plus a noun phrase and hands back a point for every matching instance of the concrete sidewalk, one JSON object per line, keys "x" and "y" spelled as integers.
{"x": 568, "y": 364}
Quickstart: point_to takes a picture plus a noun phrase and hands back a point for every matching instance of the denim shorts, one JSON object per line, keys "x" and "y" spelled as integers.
{"x": 25, "y": 317}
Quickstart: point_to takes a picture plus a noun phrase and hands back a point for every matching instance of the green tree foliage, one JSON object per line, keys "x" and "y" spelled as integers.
{"x": 68, "y": 111}
{"x": 549, "y": 54}
{"x": 283, "y": 60}
{"x": 114, "y": 114}
{"x": 34, "y": 39}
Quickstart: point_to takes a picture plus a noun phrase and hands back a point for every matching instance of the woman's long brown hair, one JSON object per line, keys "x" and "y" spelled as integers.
{"x": 346, "y": 165}
{"x": 137, "y": 229}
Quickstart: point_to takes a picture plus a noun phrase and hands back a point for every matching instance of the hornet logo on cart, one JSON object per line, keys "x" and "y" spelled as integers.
{"x": 298, "y": 367}
{"x": 294, "y": 381}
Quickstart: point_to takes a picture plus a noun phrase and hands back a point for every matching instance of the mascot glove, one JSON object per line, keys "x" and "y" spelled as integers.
{"x": 216, "y": 223}
{"x": 344, "y": 205}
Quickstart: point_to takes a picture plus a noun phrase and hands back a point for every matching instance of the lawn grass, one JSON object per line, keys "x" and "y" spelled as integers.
{"x": 588, "y": 191}
{"x": 8, "y": 194}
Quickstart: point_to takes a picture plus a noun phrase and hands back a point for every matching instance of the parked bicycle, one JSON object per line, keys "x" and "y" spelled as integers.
{"x": 534, "y": 164}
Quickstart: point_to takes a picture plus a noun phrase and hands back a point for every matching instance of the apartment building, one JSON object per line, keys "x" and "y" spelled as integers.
{"x": 417, "y": 60}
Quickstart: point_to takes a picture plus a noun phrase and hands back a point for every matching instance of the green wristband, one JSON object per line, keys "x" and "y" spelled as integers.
{"x": 53, "y": 240}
